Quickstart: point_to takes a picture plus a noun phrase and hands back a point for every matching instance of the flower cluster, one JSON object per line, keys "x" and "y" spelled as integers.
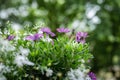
{"x": 77, "y": 74}
{"x": 21, "y": 57}
{"x": 80, "y": 36}
{"x": 81, "y": 73}
{"x": 5, "y": 45}
{"x": 31, "y": 56}
{"x": 34, "y": 37}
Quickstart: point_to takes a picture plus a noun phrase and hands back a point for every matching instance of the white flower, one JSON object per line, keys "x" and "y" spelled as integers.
{"x": 77, "y": 74}
{"x": 82, "y": 60}
{"x": 24, "y": 51}
{"x": 5, "y": 45}
{"x": 2, "y": 77}
{"x": 47, "y": 39}
{"x": 71, "y": 75}
{"x": 22, "y": 60}
{"x": 21, "y": 57}
{"x": 1, "y": 67}
{"x": 40, "y": 32}
{"x": 4, "y": 69}
{"x": 88, "y": 78}
{"x": 49, "y": 72}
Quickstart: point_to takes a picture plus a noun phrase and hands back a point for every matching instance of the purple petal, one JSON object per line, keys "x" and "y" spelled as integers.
{"x": 63, "y": 30}
{"x": 34, "y": 37}
{"x": 52, "y": 34}
{"x": 10, "y": 37}
{"x": 80, "y": 37}
{"x": 66, "y": 30}
{"x": 60, "y": 29}
{"x": 82, "y": 41}
{"x": 30, "y": 38}
{"x": 37, "y": 36}
{"x": 85, "y": 34}
{"x": 92, "y": 75}
{"x": 46, "y": 29}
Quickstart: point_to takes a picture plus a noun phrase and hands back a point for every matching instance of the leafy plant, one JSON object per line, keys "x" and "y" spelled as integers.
{"x": 41, "y": 56}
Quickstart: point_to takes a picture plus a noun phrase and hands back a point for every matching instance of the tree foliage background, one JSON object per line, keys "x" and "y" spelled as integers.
{"x": 100, "y": 18}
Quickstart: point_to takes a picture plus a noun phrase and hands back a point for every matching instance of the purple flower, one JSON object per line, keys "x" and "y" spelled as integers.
{"x": 34, "y": 37}
{"x": 92, "y": 75}
{"x": 10, "y": 37}
{"x": 52, "y": 34}
{"x": 80, "y": 37}
{"x": 63, "y": 30}
{"x": 47, "y": 31}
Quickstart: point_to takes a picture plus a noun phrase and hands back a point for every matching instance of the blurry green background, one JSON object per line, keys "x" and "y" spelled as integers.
{"x": 100, "y": 18}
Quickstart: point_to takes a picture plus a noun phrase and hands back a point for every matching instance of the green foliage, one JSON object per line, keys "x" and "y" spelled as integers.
{"x": 104, "y": 37}
{"x": 59, "y": 56}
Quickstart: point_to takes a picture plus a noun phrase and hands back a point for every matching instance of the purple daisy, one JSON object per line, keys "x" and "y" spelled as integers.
{"x": 63, "y": 30}
{"x": 47, "y": 31}
{"x": 52, "y": 34}
{"x": 92, "y": 75}
{"x": 80, "y": 37}
{"x": 10, "y": 37}
{"x": 34, "y": 37}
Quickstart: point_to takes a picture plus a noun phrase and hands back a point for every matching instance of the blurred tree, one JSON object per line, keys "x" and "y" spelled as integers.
{"x": 53, "y": 13}
{"x": 106, "y": 37}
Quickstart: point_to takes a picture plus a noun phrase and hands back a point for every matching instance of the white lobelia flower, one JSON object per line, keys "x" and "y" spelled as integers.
{"x": 24, "y": 51}
{"x": 22, "y": 60}
{"x": 71, "y": 75}
{"x": 6, "y": 46}
{"x": 2, "y": 77}
{"x": 21, "y": 57}
{"x": 49, "y": 72}
{"x": 1, "y": 67}
{"x": 4, "y": 69}
{"x": 88, "y": 78}
{"x": 76, "y": 74}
